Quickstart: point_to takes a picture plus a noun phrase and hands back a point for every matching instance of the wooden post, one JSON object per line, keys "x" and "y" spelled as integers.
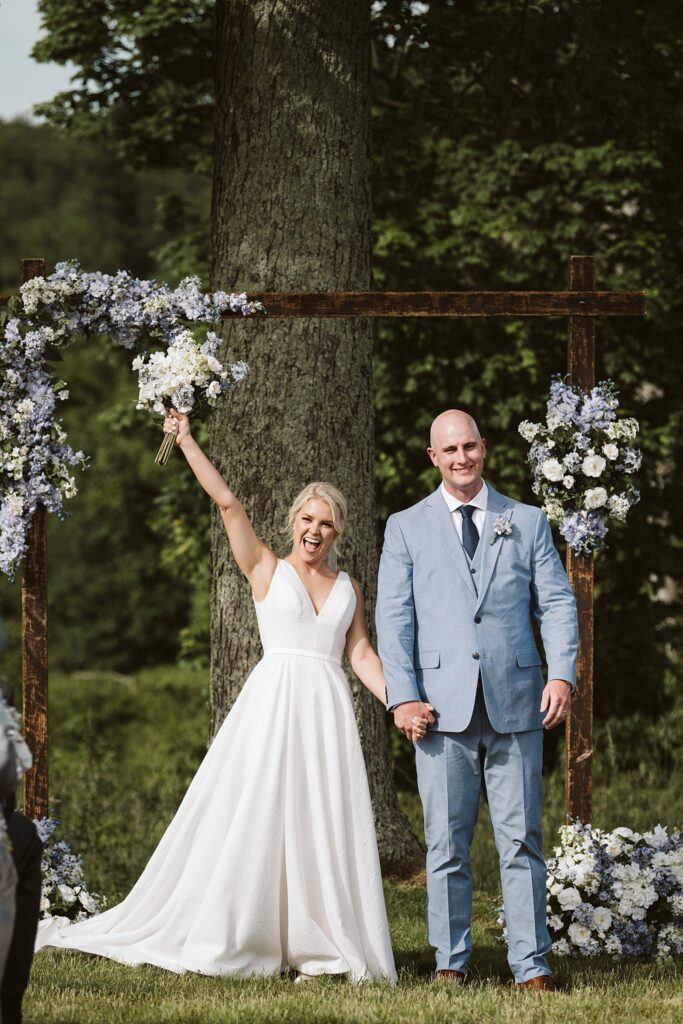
{"x": 580, "y": 569}
{"x": 34, "y": 640}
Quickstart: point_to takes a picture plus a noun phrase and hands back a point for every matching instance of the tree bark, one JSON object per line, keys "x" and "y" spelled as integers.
{"x": 291, "y": 211}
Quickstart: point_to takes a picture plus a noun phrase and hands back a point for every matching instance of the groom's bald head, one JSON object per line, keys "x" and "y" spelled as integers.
{"x": 449, "y": 421}
{"x": 458, "y": 450}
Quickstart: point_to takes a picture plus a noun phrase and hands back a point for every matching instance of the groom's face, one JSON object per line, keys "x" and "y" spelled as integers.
{"x": 459, "y": 453}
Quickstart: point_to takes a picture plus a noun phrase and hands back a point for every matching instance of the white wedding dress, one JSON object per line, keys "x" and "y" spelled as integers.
{"x": 270, "y": 862}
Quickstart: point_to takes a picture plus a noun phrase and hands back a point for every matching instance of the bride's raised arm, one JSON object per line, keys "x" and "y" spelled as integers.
{"x": 255, "y": 559}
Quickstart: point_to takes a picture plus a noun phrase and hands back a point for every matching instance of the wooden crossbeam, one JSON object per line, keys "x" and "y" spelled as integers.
{"x": 449, "y": 304}
{"x": 458, "y": 304}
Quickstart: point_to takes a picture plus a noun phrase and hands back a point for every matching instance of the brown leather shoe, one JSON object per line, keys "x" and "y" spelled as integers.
{"x": 451, "y": 977}
{"x": 543, "y": 983}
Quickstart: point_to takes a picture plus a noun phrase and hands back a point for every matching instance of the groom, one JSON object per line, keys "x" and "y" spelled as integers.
{"x": 461, "y": 575}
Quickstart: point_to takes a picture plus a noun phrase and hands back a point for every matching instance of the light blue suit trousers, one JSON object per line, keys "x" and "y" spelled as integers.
{"x": 449, "y": 778}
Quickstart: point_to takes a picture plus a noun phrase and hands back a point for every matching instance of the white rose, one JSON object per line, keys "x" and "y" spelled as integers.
{"x": 627, "y": 833}
{"x": 619, "y": 506}
{"x": 67, "y": 893}
{"x": 628, "y": 428}
{"x": 579, "y": 934}
{"x": 568, "y": 481}
{"x": 602, "y": 918}
{"x": 593, "y": 465}
{"x": 87, "y": 902}
{"x": 555, "y": 922}
{"x": 611, "y": 451}
{"x": 658, "y": 837}
{"x": 553, "y": 509}
{"x": 595, "y": 497}
{"x": 552, "y": 469}
{"x": 569, "y": 898}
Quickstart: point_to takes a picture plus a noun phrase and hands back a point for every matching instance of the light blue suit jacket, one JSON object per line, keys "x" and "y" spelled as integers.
{"x": 437, "y": 631}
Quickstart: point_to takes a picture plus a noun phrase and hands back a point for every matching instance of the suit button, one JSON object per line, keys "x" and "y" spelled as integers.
{"x": 477, "y": 619}
{"x": 473, "y": 571}
{"x": 476, "y": 656}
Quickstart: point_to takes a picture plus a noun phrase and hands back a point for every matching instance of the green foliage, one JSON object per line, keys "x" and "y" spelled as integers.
{"x": 71, "y": 198}
{"x": 123, "y": 750}
{"x": 144, "y": 80}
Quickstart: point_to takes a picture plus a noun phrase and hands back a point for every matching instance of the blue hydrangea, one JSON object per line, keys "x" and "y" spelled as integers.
{"x": 582, "y": 467}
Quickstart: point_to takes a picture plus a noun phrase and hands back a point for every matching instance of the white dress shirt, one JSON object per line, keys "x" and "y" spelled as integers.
{"x": 479, "y": 503}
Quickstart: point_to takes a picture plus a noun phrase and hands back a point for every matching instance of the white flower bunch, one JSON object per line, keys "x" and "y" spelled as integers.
{"x": 186, "y": 374}
{"x": 64, "y": 892}
{"x": 618, "y": 893}
{"x": 583, "y": 462}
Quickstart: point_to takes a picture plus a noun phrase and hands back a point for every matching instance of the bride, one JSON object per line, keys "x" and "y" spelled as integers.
{"x": 270, "y": 862}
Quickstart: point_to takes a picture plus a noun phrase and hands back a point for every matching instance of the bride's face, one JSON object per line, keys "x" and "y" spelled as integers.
{"x": 314, "y": 531}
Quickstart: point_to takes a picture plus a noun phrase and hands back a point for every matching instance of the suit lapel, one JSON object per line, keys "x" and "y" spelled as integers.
{"x": 443, "y": 528}
{"x": 497, "y": 505}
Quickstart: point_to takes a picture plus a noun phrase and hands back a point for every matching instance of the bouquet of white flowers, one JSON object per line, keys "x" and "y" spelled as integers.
{"x": 64, "y": 893}
{"x": 618, "y": 893}
{"x": 583, "y": 462}
{"x": 187, "y": 377}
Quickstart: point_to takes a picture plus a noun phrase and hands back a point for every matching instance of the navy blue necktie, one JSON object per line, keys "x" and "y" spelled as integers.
{"x": 470, "y": 534}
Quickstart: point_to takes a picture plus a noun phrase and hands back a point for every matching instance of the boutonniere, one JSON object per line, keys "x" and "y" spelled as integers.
{"x": 502, "y": 527}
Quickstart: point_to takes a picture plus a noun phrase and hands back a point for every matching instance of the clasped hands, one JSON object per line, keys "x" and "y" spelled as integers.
{"x": 413, "y": 719}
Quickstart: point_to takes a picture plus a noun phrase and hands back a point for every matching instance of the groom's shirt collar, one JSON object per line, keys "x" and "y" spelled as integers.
{"x": 480, "y": 500}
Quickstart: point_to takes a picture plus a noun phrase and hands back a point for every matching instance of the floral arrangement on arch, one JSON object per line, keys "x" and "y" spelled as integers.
{"x": 175, "y": 360}
{"x": 64, "y": 893}
{"x": 616, "y": 893}
{"x": 583, "y": 462}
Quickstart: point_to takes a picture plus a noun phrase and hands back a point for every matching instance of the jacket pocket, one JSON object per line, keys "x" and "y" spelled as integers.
{"x": 528, "y": 658}
{"x": 427, "y": 659}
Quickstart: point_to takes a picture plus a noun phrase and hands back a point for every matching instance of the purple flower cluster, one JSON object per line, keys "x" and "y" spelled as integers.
{"x": 616, "y": 893}
{"x": 35, "y": 458}
{"x": 64, "y": 891}
{"x": 583, "y": 462}
{"x": 619, "y": 892}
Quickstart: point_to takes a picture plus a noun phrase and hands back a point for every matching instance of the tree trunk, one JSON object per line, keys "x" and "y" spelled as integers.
{"x": 291, "y": 210}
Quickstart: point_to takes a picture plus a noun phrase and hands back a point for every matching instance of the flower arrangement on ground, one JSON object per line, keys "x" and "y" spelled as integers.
{"x": 64, "y": 894}
{"x": 616, "y": 893}
{"x": 36, "y": 461}
{"x": 583, "y": 462}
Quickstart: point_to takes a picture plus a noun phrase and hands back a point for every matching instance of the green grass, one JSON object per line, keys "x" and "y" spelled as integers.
{"x": 69, "y": 987}
{"x": 123, "y": 750}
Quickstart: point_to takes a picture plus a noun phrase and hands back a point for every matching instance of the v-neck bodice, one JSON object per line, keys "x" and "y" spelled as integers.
{"x": 288, "y": 620}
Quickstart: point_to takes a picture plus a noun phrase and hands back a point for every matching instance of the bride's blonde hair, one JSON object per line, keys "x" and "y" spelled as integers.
{"x": 328, "y": 493}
